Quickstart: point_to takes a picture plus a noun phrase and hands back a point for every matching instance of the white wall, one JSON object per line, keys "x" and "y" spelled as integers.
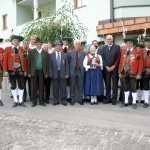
{"x": 132, "y": 12}
{"x": 95, "y": 11}
{"x": 7, "y": 7}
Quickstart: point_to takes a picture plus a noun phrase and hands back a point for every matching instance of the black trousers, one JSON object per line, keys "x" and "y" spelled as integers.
{"x": 27, "y": 80}
{"x": 47, "y": 84}
{"x": 37, "y": 83}
{"x": 122, "y": 89}
{"x": 111, "y": 77}
{"x": 76, "y": 82}
{"x": 139, "y": 84}
{"x": 59, "y": 89}
{"x": 146, "y": 83}
{"x": 130, "y": 84}
{"x": 15, "y": 79}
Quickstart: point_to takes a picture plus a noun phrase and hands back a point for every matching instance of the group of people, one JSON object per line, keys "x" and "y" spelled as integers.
{"x": 75, "y": 72}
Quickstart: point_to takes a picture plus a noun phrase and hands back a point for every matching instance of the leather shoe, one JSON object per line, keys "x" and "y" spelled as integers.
{"x": 92, "y": 103}
{"x": 124, "y": 105}
{"x": 33, "y": 105}
{"x": 145, "y": 105}
{"x": 43, "y": 104}
{"x": 105, "y": 101}
{"x": 1, "y": 103}
{"x": 71, "y": 103}
{"x": 55, "y": 103}
{"x": 15, "y": 104}
{"x": 22, "y": 104}
{"x": 64, "y": 103}
{"x": 81, "y": 103}
{"x": 134, "y": 106}
{"x": 96, "y": 103}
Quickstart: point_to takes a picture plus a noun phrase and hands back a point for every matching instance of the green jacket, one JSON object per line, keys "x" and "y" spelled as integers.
{"x": 32, "y": 58}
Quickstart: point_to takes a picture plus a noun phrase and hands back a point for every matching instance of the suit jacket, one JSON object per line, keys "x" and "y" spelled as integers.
{"x": 135, "y": 62}
{"x": 111, "y": 57}
{"x": 53, "y": 69}
{"x": 9, "y": 59}
{"x": 72, "y": 62}
{"x": 32, "y": 59}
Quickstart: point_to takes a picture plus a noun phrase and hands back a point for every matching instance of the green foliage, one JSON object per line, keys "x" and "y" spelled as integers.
{"x": 51, "y": 28}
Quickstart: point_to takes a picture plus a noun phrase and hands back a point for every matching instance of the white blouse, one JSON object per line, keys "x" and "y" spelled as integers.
{"x": 85, "y": 62}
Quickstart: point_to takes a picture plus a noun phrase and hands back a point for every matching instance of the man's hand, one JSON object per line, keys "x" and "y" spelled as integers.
{"x": 5, "y": 74}
{"x": 25, "y": 74}
{"x": 138, "y": 77}
{"x": 29, "y": 75}
{"x": 113, "y": 67}
{"x": 108, "y": 69}
{"x": 66, "y": 77}
{"x": 120, "y": 75}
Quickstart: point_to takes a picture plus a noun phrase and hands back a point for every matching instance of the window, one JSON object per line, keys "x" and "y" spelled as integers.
{"x": 79, "y": 3}
{"x": 4, "y": 17}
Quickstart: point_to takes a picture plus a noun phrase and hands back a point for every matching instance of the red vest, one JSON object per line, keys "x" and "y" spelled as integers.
{"x": 133, "y": 63}
{"x": 10, "y": 59}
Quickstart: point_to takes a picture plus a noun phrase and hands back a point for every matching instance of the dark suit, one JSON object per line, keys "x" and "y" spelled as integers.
{"x": 76, "y": 74}
{"x": 37, "y": 76}
{"x": 111, "y": 57}
{"x": 59, "y": 77}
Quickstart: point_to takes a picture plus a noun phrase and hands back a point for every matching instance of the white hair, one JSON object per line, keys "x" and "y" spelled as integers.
{"x": 77, "y": 41}
{"x": 109, "y": 37}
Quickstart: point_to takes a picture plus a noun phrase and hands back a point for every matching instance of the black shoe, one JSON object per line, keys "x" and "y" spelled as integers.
{"x": 142, "y": 101}
{"x": 134, "y": 106}
{"x": 145, "y": 105}
{"x": 96, "y": 103}
{"x": 15, "y": 104}
{"x": 55, "y": 103}
{"x": 1, "y": 103}
{"x": 47, "y": 102}
{"x": 64, "y": 103}
{"x": 33, "y": 105}
{"x": 43, "y": 104}
{"x": 92, "y": 103}
{"x": 81, "y": 103}
{"x": 124, "y": 105}
{"x": 22, "y": 104}
{"x": 105, "y": 101}
{"x": 113, "y": 103}
{"x": 71, "y": 103}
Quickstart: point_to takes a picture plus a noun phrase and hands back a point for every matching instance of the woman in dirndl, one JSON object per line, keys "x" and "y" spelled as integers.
{"x": 93, "y": 84}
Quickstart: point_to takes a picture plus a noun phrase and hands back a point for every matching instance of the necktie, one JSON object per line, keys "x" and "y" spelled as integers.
{"x": 77, "y": 60}
{"x": 58, "y": 60}
{"x": 148, "y": 52}
{"x": 109, "y": 46}
{"x": 16, "y": 50}
{"x": 128, "y": 52}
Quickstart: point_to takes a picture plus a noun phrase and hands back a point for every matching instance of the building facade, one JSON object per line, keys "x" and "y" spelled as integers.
{"x": 101, "y": 17}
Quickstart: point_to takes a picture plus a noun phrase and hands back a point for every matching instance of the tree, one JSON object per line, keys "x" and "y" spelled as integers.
{"x": 63, "y": 23}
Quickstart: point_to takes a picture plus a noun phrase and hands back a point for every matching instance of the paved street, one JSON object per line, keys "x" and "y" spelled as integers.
{"x": 101, "y": 127}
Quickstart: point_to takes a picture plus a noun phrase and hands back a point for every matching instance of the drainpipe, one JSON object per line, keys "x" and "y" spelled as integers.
{"x": 112, "y": 10}
{"x": 35, "y": 7}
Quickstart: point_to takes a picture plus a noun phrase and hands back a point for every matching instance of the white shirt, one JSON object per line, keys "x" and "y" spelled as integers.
{"x": 147, "y": 49}
{"x": 86, "y": 61}
{"x": 51, "y": 50}
{"x": 57, "y": 54}
{"x": 65, "y": 46}
{"x": 15, "y": 46}
{"x": 39, "y": 50}
{"x": 130, "y": 49}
